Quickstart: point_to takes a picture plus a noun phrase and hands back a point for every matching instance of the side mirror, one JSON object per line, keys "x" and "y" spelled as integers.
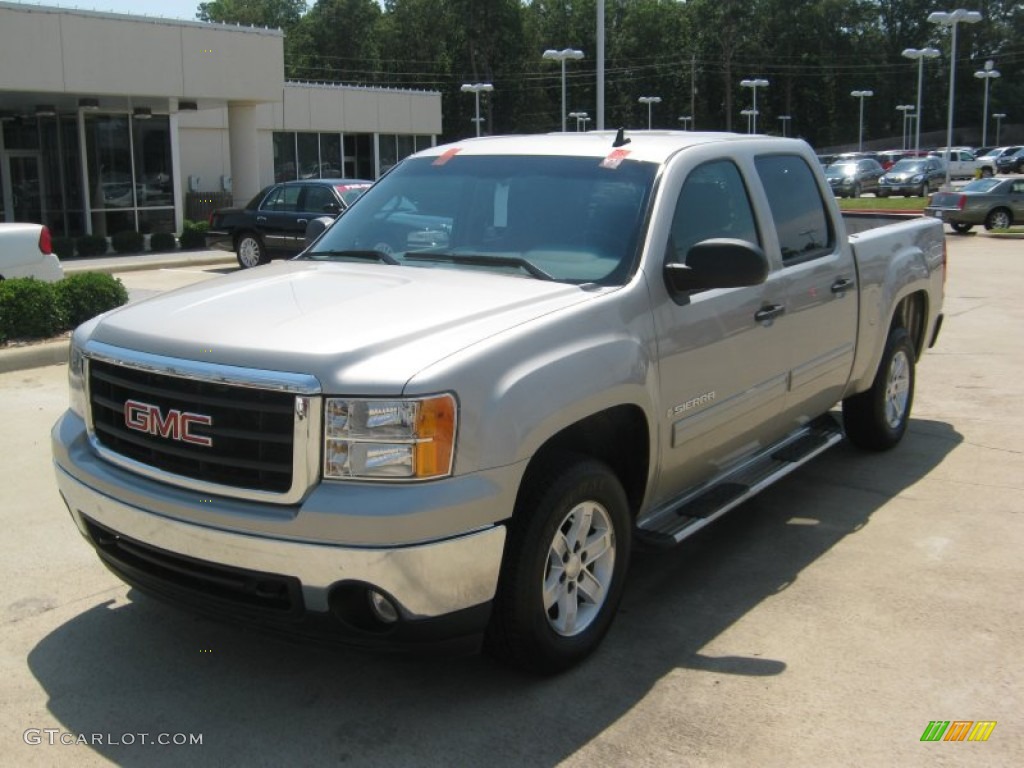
{"x": 719, "y": 262}
{"x": 315, "y": 228}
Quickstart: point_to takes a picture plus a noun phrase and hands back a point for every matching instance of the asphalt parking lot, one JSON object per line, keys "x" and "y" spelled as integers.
{"x": 826, "y": 622}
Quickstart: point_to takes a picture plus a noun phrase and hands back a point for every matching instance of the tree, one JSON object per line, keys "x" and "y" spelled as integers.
{"x": 276, "y": 14}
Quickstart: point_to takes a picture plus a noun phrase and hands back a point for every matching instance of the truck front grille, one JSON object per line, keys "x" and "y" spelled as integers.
{"x": 213, "y": 432}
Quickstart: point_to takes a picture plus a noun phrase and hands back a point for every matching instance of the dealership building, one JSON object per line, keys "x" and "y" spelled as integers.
{"x": 111, "y": 122}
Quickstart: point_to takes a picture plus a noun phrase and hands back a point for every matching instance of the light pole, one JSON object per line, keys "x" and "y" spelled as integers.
{"x": 649, "y": 101}
{"x": 750, "y": 114}
{"x": 562, "y": 56}
{"x": 860, "y": 129}
{"x": 952, "y": 19}
{"x": 905, "y": 109}
{"x": 785, "y": 121}
{"x": 999, "y": 117}
{"x": 686, "y": 120}
{"x": 986, "y": 74}
{"x": 754, "y": 84}
{"x": 476, "y": 89}
{"x": 579, "y": 117}
{"x": 920, "y": 54}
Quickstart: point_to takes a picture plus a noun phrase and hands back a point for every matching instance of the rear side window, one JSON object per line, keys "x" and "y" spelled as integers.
{"x": 801, "y": 220}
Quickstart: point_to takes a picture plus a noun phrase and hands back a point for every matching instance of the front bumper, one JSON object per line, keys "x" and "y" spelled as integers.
{"x": 441, "y": 588}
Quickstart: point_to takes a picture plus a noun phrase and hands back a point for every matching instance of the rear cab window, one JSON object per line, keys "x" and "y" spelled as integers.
{"x": 802, "y": 222}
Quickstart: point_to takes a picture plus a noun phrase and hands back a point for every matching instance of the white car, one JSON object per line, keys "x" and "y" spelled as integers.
{"x": 26, "y": 250}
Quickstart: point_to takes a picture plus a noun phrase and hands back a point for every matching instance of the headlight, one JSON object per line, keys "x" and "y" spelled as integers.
{"x": 917, "y": 179}
{"x": 407, "y": 439}
{"x": 76, "y": 379}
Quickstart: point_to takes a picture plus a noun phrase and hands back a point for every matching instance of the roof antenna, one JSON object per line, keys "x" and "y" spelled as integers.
{"x": 620, "y": 138}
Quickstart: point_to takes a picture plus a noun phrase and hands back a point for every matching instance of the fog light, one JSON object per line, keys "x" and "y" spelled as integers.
{"x": 382, "y": 607}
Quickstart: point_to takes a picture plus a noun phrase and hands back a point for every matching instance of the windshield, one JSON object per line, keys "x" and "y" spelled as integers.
{"x": 569, "y": 219}
{"x": 909, "y": 166}
{"x": 839, "y": 170}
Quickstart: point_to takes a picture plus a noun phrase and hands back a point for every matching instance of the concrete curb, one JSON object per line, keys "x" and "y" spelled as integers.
{"x": 34, "y": 355}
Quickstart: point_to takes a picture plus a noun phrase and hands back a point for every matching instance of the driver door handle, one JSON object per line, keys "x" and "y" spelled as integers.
{"x": 842, "y": 285}
{"x": 769, "y": 312}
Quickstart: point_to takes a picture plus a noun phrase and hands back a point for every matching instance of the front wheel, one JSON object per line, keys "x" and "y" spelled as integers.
{"x": 855, "y": 192}
{"x": 250, "y": 251}
{"x": 564, "y": 566}
{"x": 963, "y": 229}
{"x": 998, "y": 219}
{"x": 986, "y": 173}
{"x": 877, "y": 419}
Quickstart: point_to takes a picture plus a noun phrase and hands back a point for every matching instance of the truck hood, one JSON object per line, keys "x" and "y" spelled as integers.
{"x": 359, "y": 328}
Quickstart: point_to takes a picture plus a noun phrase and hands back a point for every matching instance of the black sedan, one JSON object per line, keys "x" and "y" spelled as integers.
{"x": 1011, "y": 162}
{"x": 916, "y": 176}
{"x": 993, "y": 203}
{"x": 274, "y": 222}
{"x": 849, "y": 178}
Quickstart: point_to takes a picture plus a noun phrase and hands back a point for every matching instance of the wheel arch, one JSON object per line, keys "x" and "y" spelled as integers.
{"x": 618, "y": 437}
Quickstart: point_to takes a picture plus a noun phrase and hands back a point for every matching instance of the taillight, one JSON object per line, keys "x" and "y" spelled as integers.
{"x": 209, "y": 219}
{"x": 45, "y": 241}
{"x": 961, "y": 202}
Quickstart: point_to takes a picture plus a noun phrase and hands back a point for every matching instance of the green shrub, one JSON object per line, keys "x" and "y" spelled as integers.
{"x": 29, "y": 309}
{"x": 161, "y": 242}
{"x": 84, "y": 295}
{"x": 193, "y": 234}
{"x": 91, "y": 245}
{"x": 64, "y": 247}
{"x": 128, "y": 241}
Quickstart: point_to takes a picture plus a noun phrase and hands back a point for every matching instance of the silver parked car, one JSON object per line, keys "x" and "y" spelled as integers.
{"x": 994, "y": 203}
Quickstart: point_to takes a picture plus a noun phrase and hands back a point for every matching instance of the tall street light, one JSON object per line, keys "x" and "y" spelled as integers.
{"x": 579, "y": 117}
{"x": 784, "y": 119}
{"x": 920, "y": 54}
{"x": 649, "y": 101}
{"x": 860, "y": 129}
{"x": 952, "y": 19}
{"x": 986, "y": 74}
{"x": 686, "y": 120}
{"x": 905, "y": 109}
{"x": 562, "y": 56}
{"x": 999, "y": 117}
{"x": 749, "y": 114}
{"x": 476, "y": 89}
{"x": 754, "y": 84}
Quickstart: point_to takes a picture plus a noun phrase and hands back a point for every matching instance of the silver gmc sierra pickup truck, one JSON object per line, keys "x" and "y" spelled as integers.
{"x": 509, "y": 364}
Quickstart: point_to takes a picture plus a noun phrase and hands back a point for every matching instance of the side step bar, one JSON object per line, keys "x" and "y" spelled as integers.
{"x": 694, "y": 511}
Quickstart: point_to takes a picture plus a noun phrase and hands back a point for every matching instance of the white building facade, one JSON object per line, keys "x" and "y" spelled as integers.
{"x": 111, "y": 122}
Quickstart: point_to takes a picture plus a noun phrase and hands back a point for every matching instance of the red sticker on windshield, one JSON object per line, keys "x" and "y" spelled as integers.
{"x": 448, "y": 155}
{"x": 614, "y": 160}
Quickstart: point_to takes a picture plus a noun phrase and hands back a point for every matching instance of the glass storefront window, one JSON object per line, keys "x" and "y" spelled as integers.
{"x": 284, "y": 156}
{"x": 330, "y": 156}
{"x": 153, "y": 172}
{"x": 110, "y": 162}
{"x": 308, "y": 147}
{"x": 388, "y": 151}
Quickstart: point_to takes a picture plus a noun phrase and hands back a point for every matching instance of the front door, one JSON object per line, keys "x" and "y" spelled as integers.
{"x": 23, "y": 191}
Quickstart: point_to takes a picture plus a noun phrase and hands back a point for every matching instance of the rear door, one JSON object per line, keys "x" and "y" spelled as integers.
{"x": 819, "y": 330}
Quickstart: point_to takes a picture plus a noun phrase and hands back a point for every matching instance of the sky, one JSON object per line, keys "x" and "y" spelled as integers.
{"x": 170, "y": 9}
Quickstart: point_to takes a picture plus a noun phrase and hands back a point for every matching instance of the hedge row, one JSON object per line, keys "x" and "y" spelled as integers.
{"x": 193, "y": 235}
{"x": 32, "y": 309}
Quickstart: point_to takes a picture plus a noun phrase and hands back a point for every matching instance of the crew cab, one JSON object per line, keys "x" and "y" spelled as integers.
{"x": 513, "y": 358}
{"x": 274, "y": 222}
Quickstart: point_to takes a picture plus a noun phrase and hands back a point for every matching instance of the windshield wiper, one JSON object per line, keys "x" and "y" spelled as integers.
{"x": 368, "y": 255}
{"x": 481, "y": 260}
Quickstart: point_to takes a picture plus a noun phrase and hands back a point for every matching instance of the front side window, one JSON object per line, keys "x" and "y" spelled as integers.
{"x": 713, "y": 203}
{"x": 801, "y": 220}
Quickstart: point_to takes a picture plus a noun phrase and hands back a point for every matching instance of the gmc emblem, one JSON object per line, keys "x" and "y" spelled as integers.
{"x": 175, "y": 424}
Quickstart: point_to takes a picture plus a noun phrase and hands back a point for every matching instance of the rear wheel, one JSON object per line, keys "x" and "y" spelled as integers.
{"x": 999, "y": 218}
{"x": 564, "y": 566}
{"x": 877, "y": 419}
{"x": 986, "y": 172}
{"x": 963, "y": 229}
{"x": 250, "y": 251}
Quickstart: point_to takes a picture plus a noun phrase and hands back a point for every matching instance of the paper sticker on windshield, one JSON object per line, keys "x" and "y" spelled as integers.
{"x": 447, "y": 155}
{"x": 614, "y": 160}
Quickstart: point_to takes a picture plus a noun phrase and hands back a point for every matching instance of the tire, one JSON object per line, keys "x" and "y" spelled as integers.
{"x": 855, "y": 192}
{"x": 986, "y": 173}
{"x": 560, "y": 585}
{"x": 963, "y": 229}
{"x": 998, "y": 218}
{"x": 882, "y": 193}
{"x": 922, "y": 191}
{"x": 250, "y": 251}
{"x": 876, "y": 420}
